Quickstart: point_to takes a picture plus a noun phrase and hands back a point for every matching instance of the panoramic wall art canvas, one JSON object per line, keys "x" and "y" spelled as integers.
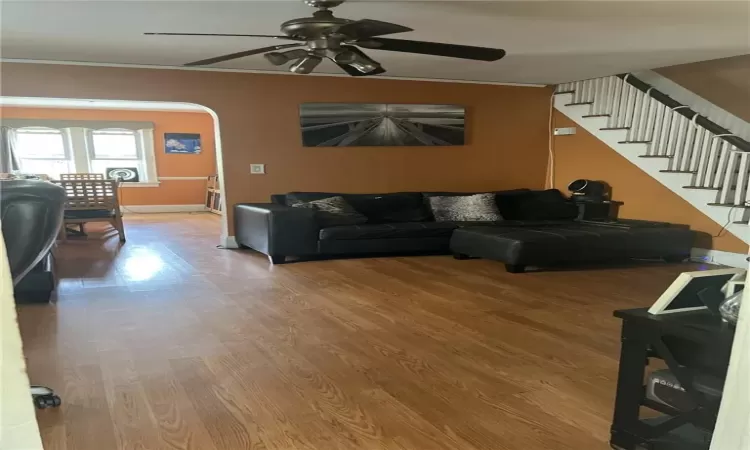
{"x": 378, "y": 124}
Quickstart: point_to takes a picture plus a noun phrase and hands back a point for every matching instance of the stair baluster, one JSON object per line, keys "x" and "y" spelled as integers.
{"x": 740, "y": 189}
{"x": 721, "y": 166}
{"x": 730, "y": 177}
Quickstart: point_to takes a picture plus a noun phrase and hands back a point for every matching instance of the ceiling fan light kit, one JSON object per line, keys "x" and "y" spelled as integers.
{"x": 324, "y": 36}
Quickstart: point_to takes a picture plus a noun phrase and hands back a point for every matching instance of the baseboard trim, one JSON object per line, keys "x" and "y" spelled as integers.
{"x": 719, "y": 257}
{"x": 229, "y": 242}
{"x": 146, "y": 209}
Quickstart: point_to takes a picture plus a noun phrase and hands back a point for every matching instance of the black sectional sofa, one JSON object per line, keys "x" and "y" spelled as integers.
{"x": 538, "y": 229}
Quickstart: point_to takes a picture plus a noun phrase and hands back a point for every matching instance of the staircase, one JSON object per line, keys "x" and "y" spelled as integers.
{"x": 697, "y": 159}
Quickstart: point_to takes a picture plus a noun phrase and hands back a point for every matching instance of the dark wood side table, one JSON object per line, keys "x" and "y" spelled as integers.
{"x": 604, "y": 210}
{"x": 692, "y": 344}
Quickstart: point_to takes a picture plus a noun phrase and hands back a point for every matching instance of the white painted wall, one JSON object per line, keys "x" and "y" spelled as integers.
{"x": 732, "y": 430}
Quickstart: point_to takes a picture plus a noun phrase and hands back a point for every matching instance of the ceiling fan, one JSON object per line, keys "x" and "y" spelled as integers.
{"x": 325, "y": 36}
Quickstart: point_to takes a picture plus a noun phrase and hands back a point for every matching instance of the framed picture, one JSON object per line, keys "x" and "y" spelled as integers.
{"x": 187, "y": 143}
{"x": 381, "y": 124}
{"x": 124, "y": 174}
{"x": 683, "y": 293}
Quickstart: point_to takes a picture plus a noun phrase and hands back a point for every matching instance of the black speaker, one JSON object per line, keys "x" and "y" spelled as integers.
{"x": 589, "y": 190}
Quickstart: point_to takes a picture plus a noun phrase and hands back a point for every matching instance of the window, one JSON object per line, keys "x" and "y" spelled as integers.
{"x": 43, "y": 151}
{"x": 52, "y": 151}
{"x": 115, "y": 148}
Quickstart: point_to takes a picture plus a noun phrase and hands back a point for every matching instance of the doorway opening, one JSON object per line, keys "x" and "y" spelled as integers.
{"x": 170, "y": 150}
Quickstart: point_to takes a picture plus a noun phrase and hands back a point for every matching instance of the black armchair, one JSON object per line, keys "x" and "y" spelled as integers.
{"x": 276, "y": 230}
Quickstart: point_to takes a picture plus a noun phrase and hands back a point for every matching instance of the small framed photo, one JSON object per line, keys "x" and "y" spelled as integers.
{"x": 186, "y": 143}
{"x": 682, "y": 294}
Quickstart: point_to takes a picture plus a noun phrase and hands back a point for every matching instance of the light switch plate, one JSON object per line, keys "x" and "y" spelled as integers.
{"x": 565, "y": 131}
{"x": 257, "y": 169}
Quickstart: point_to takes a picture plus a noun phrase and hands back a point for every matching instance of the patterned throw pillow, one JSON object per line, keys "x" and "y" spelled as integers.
{"x": 333, "y": 211}
{"x": 465, "y": 208}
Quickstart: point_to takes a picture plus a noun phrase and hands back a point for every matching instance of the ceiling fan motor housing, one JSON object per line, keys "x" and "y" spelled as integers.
{"x": 324, "y": 3}
{"x": 311, "y": 28}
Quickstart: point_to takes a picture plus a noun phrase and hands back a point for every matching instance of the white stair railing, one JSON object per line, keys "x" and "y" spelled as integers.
{"x": 714, "y": 163}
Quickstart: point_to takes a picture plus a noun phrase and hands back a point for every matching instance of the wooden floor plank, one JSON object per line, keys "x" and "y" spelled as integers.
{"x": 167, "y": 342}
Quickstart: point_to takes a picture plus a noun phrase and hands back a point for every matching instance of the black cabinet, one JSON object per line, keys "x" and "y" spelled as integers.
{"x": 694, "y": 346}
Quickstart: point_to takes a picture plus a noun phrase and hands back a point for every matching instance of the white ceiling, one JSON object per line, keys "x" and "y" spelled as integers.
{"x": 546, "y": 41}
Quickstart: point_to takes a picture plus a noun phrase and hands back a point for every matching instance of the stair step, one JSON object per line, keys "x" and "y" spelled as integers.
{"x": 702, "y": 187}
{"x": 740, "y": 222}
{"x": 730, "y": 205}
{"x": 614, "y": 128}
{"x": 677, "y": 171}
{"x": 565, "y": 92}
{"x": 580, "y": 103}
{"x": 655, "y": 156}
{"x": 634, "y": 142}
{"x": 596, "y": 115}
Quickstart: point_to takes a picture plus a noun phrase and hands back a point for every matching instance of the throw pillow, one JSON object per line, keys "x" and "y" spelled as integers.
{"x": 465, "y": 208}
{"x": 333, "y": 211}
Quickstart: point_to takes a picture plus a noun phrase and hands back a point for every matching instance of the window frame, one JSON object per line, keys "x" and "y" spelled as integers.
{"x": 91, "y": 148}
{"x": 145, "y": 157}
{"x": 78, "y": 145}
{"x": 67, "y": 150}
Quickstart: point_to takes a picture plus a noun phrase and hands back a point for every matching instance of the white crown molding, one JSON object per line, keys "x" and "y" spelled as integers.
{"x": 69, "y": 103}
{"x": 263, "y": 72}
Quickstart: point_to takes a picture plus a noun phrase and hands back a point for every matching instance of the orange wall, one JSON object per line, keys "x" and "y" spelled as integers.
{"x": 584, "y": 156}
{"x": 259, "y": 121}
{"x": 169, "y": 192}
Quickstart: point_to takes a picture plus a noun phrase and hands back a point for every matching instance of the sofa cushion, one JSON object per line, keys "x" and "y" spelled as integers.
{"x": 549, "y": 204}
{"x": 390, "y": 208}
{"x": 333, "y": 211}
{"x": 389, "y": 231}
{"x": 574, "y": 242}
{"x": 478, "y": 207}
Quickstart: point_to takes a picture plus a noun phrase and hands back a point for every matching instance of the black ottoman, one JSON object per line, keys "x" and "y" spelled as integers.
{"x": 519, "y": 247}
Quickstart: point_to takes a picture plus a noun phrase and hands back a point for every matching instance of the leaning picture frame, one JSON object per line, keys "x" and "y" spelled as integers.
{"x": 682, "y": 294}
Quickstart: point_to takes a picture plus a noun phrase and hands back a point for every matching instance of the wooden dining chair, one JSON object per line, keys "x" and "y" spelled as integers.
{"x": 81, "y": 176}
{"x": 92, "y": 201}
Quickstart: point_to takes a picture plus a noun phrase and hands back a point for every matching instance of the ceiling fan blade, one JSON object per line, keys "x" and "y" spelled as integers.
{"x": 353, "y": 71}
{"x": 433, "y": 48}
{"x": 368, "y": 28}
{"x": 356, "y": 73}
{"x": 220, "y": 34}
{"x": 216, "y": 59}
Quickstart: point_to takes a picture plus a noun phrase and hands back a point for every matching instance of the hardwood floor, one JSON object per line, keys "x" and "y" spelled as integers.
{"x": 167, "y": 342}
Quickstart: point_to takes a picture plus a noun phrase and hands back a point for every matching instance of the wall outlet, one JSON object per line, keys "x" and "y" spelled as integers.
{"x": 565, "y": 131}
{"x": 257, "y": 169}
